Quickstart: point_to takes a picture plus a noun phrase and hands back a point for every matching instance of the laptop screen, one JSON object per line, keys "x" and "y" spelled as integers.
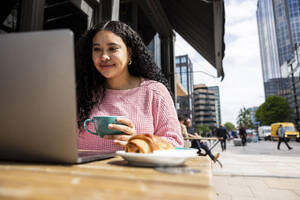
{"x": 38, "y": 96}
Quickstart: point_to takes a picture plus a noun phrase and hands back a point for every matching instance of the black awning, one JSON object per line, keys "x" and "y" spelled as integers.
{"x": 201, "y": 24}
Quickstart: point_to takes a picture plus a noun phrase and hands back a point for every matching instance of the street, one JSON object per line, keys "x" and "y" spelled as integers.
{"x": 258, "y": 171}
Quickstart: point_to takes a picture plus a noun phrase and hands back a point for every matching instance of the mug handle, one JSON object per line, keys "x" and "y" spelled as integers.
{"x": 86, "y": 128}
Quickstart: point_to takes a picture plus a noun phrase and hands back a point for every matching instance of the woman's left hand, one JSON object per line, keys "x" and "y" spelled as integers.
{"x": 126, "y": 126}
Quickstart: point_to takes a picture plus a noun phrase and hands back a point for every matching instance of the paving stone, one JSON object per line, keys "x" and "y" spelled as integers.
{"x": 237, "y": 181}
{"x": 274, "y": 194}
{"x": 281, "y": 183}
{"x": 297, "y": 192}
{"x": 222, "y": 197}
{"x": 240, "y": 191}
{"x": 242, "y": 198}
{"x": 257, "y": 185}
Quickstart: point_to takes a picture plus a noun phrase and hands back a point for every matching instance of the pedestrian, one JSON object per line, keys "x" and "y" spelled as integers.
{"x": 116, "y": 75}
{"x": 282, "y": 138}
{"x": 243, "y": 134}
{"x": 222, "y": 134}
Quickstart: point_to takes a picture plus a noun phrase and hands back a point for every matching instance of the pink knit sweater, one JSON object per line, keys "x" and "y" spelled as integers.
{"x": 150, "y": 107}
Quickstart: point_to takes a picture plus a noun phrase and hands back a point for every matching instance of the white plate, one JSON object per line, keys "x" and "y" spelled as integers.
{"x": 159, "y": 158}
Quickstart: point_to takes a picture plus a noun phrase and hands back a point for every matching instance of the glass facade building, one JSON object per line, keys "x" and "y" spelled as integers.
{"x": 279, "y": 36}
{"x": 287, "y": 24}
{"x": 267, "y": 40}
{"x": 279, "y": 30}
{"x": 291, "y": 73}
{"x": 184, "y": 68}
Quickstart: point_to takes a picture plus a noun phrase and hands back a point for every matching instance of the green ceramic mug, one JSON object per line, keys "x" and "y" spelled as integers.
{"x": 101, "y": 125}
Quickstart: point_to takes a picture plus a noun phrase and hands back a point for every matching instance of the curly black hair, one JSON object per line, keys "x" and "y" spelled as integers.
{"x": 90, "y": 84}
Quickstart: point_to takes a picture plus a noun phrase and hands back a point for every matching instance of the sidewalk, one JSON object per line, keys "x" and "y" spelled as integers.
{"x": 258, "y": 172}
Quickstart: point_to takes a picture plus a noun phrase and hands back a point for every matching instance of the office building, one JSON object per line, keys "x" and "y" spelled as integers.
{"x": 291, "y": 73}
{"x": 218, "y": 104}
{"x": 205, "y": 106}
{"x": 279, "y": 30}
{"x": 184, "y": 72}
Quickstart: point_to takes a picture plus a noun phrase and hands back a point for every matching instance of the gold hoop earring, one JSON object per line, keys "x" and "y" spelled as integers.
{"x": 130, "y": 62}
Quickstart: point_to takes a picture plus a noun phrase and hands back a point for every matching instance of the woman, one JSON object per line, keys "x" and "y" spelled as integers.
{"x": 187, "y": 142}
{"x": 116, "y": 75}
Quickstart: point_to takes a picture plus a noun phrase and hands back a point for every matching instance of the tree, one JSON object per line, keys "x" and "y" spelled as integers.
{"x": 229, "y": 126}
{"x": 244, "y": 118}
{"x": 203, "y": 129}
{"x": 274, "y": 109}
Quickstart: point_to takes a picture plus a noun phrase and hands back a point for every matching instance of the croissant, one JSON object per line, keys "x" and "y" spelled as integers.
{"x": 146, "y": 143}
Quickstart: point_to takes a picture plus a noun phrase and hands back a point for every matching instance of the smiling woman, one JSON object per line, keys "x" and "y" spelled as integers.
{"x": 116, "y": 75}
{"x": 111, "y": 57}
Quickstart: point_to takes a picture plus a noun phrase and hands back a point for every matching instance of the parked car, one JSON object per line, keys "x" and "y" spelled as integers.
{"x": 264, "y": 132}
{"x": 290, "y": 131}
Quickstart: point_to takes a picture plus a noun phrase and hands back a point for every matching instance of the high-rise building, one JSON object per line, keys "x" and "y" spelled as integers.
{"x": 218, "y": 104}
{"x": 291, "y": 73}
{"x": 279, "y": 30}
{"x": 184, "y": 72}
{"x": 205, "y": 106}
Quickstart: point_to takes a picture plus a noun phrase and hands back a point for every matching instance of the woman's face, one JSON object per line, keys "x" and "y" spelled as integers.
{"x": 110, "y": 55}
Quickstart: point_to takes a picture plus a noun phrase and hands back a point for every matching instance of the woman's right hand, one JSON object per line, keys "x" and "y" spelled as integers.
{"x": 126, "y": 126}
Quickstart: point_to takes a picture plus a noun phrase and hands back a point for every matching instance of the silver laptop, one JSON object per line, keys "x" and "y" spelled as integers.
{"x": 38, "y": 99}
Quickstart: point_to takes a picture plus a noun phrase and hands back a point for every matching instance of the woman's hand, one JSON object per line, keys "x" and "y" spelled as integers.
{"x": 126, "y": 126}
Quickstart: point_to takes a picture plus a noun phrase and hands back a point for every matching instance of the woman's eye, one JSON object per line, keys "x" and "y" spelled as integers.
{"x": 96, "y": 49}
{"x": 113, "y": 48}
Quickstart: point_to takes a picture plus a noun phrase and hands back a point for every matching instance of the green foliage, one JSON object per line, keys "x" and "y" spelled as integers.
{"x": 274, "y": 109}
{"x": 229, "y": 126}
{"x": 203, "y": 129}
{"x": 244, "y": 118}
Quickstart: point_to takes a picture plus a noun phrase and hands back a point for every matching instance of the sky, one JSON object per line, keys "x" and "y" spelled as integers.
{"x": 243, "y": 82}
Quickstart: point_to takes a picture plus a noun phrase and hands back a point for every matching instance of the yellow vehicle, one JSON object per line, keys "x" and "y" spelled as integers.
{"x": 290, "y": 131}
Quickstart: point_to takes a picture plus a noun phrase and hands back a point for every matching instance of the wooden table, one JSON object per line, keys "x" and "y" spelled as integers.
{"x": 107, "y": 179}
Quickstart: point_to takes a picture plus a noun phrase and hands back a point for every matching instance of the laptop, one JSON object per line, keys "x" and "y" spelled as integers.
{"x": 38, "y": 99}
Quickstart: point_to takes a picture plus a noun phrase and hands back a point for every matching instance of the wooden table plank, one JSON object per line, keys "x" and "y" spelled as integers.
{"x": 107, "y": 179}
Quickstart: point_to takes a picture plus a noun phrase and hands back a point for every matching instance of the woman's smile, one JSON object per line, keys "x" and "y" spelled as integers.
{"x": 106, "y": 66}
